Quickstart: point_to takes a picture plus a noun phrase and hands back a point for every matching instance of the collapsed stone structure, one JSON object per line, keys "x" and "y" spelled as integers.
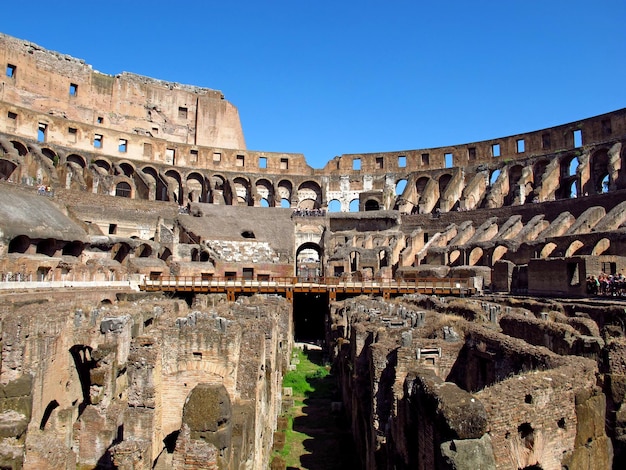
{"x": 106, "y": 180}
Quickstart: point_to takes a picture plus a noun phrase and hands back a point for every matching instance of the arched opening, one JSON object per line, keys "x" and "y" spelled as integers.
{"x": 573, "y": 248}
{"x": 454, "y": 257}
{"x": 165, "y": 254}
{"x": 371, "y": 205}
{"x": 573, "y": 190}
{"x": 309, "y": 261}
{"x": 120, "y": 252}
{"x": 307, "y": 204}
{"x": 127, "y": 169}
{"x": 143, "y": 251}
{"x": 354, "y": 205}
{"x": 400, "y": 187}
{"x": 285, "y": 189}
{"x": 242, "y": 191}
{"x": 495, "y": 174}
{"x": 74, "y": 248}
{"x": 601, "y": 247}
{"x": 101, "y": 166}
{"x": 264, "y": 203}
{"x": 47, "y": 247}
{"x": 285, "y": 204}
{"x": 515, "y": 176}
{"x": 383, "y": 259}
{"x": 19, "y": 244}
{"x": 6, "y": 169}
{"x": 265, "y": 191}
{"x": 20, "y": 147}
{"x": 174, "y": 183}
{"x": 599, "y": 165}
{"x": 334, "y": 206}
{"x": 498, "y": 253}
{"x": 310, "y": 190}
{"x": 83, "y": 362}
{"x": 53, "y": 405}
{"x": 160, "y": 186}
{"x": 572, "y": 168}
{"x": 196, "y": 188}
{"x": 123, "y": 189}
{"x": 475, "y": 256}
{"x": 77, "y": 159}
{"x": 547, "y": 250}
{"x": 49, "y": 153}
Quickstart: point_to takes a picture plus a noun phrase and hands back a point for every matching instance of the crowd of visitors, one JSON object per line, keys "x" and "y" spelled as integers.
{"x": 298, "y": 212}
{"x": 607, "y": 285}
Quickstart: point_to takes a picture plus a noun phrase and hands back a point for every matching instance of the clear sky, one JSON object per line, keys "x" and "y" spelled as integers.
{"x": 326, "y": 78}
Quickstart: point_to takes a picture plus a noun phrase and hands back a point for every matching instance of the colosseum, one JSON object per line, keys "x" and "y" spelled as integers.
{"x": 155, "y": 276}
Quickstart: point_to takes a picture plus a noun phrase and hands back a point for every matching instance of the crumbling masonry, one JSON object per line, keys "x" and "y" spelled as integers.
{"x": 110, "y": 180}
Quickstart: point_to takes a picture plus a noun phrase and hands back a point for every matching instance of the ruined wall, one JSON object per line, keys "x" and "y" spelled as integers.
{"x": 87, "y": 385}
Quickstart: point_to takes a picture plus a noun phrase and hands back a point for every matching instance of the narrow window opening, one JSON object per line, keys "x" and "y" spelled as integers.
{"x": 197, "y": 356}
{"x": 545, "y": 141}
{"x": 12, "y": 115}
{"x": 99, "y": 119}
{"x": 155, "y": 131}
{"x": 262, "y": 162}
{"x": 521, "y": 146}
{"x": 193, "y": 156}
{"x": 402, "y": 161}
{"x": 284, "y": 164}
{"x": 170, "y": 155}
{"x": 97, "y": 141}
{"x": 578, "y": 138}
{"x": 495, "y": 150}
{"x": 379, "y": 163}
{"x": 471, "y": 153}
{"x": 182, "y": 112}
{"x": 217, "y": 157}
{"x": 73, "y": 89}
{"x": 425, "y": 159}
{"x": 123, "y": 145}
{"x": 240, "y": 160}
{"x": 112, "y": 229}
{"x": 356, "y": 164}
{"x": 42, "y": 131}
{"x": 11, "y": 69}
{"x": 147, "y": 149}
{"x": 72, "y": 134}
{"x": 449, "y": 159}
{"x": 606, "y": 127}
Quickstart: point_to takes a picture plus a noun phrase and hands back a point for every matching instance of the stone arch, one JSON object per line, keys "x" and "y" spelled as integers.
{"x": 354, "y": 205}
{"x": 599, "y": 172}
{"x": 400, "y": 186}
{"x": 174, "y": 183}
{"x": 77, "y": 159}
{"x": 285, "y": 190}
{"x": 420, "y": 185}
{"x": 372, "y": 205}
{"x": 196, "y": 187}
{"x": 475, "y": 256}
{"x": 165, "y": 254}
{"x": 160, "y": 186}
{"x": 495, "y": 174}
{"x": 454, "y": 258}
{"x": 7, "y": 167}
{"x": 310, "y": 191}
{"x": 128, "y": 169}
{"x": 568, "y": 186}
{"x": 573, "y": 248}
{"x": 241, "y": 189}
{"x": 143, "y": 251}
{"x": 334, "y": 205}
{"x": 74, "y": 248}
{"x": 221, "y": 192}
{"x": 51, "y": 154}
{"x": 309, "y": 260}
{"x": 101, "y": 165}
{"x": 21, "y": 149}
{"x": 19, "y": 244}
{"x": 123, "y": 189}
{"x": 498, "y": 253}
{"x": 515, "y": 175}
{"x": 601, "y": 247}
{"x": 47, "y": 246}
{"x": 265, "y": 190}
{"x": 120, "y": 251}
{"x": 547, "y": 250}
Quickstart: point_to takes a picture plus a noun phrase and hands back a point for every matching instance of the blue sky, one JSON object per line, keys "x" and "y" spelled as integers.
{"x": 326, "y": 78}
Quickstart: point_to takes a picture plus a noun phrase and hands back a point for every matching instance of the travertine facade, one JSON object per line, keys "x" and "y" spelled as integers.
{"x": 109, "y": 180}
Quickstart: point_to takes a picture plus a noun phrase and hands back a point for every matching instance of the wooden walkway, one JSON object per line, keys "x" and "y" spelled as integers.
{"x": 324, "y": 285}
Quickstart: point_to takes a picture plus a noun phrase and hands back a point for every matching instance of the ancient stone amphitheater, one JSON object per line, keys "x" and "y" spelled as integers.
{"x": 154, "y": 274}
